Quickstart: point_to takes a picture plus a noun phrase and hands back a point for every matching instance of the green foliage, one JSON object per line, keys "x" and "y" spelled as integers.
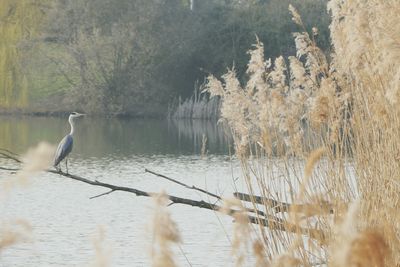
{"x": 135, "y": 56}
{"x": 19, "y": 21}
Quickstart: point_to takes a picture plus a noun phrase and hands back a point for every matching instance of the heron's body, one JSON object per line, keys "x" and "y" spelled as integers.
{"x": 66, "y": 144}
{"x": 63, "y": 149}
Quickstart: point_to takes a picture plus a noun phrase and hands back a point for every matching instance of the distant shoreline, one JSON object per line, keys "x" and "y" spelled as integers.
{"x": 121, "y": 115}
{"x": 17, "y": 112}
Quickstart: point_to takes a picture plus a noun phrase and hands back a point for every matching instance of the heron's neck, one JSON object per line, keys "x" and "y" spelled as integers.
{"x": 71, "y": 122}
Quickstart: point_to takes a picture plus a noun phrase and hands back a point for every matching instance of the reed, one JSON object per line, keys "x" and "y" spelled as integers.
{"x": 321, "y": 132}
{"x": 37, "y": 159}
{"x": 102, "y": 257}
{"x": 198, "y": 107}
{"x": 13, "y": 232}
{"x": 165, "y": 234}
{"x": 241, "y": 230}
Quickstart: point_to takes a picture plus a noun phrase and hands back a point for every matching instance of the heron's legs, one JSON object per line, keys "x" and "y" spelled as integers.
{"x": 66, "y": 164}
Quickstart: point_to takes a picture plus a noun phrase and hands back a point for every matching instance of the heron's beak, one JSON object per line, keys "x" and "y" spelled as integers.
{"x": 81, "y": 114}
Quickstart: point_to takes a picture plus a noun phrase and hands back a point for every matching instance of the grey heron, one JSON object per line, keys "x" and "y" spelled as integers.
{"x": 65, "y": 146}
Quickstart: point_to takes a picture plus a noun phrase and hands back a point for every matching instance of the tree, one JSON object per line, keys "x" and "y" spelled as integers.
{"x": 135, "y": 57}
{"x": 19, "y": 21}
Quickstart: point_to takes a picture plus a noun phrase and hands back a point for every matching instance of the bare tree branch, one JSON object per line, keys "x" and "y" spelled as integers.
{"x": 9, "y": 155}
{"x": 276, "y": 205}
{"x": 9, "y": 169}
{"x": 106, "y": 193}
{"x": 9, "y": 152}
{"x": 285, "y": 207}
{"x": 256, "y": 211}
{"x": 272, "y": 222}
{"x": 183, "y": 184}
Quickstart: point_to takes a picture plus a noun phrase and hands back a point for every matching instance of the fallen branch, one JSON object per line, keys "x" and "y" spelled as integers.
{"x": 9, "y": 169}
{"x": 106, "y": 193}
{"x": 183, "y": 184}
{"x": 4, "y": 153}
{"x": 286, "y": 207}
{"x": 256, "y": 211}
{"x": 276, "y": 205}
{"x": 271, "y": 222}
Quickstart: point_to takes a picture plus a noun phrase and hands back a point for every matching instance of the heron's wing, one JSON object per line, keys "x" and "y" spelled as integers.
{"x": 63, "y": 149}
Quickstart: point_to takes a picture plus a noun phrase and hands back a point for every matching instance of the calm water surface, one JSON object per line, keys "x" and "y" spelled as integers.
{"x": 65, "y": 220}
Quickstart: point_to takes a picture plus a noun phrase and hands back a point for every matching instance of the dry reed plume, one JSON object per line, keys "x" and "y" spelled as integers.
{"x": 102, "y": 253}
{"x": 34, "y": 161}
{"x": 258, "y": 250}
{"x": 241, "y": 230}
{"x": 37, "y": 159}
{"x": 312, "y": 159}
{"x": 342, "y": 106}
{"x": 14, "y": 232}
{"x": 165, "y": 234}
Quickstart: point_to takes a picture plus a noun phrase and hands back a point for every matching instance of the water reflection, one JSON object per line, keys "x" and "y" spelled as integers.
{"x": 116, "y": 138}
{"x": 117, "y": 151}
{"x": 216, "y": 136}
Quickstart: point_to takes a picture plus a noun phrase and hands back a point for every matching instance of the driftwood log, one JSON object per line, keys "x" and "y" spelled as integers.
{"x": 255, "y": 216}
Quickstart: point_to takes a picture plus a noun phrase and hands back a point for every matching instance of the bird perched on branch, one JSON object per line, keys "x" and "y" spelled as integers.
{"x": 65, "y": 146}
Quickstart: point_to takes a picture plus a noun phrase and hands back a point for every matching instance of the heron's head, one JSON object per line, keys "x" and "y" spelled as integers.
{"x": 74, "y": 115}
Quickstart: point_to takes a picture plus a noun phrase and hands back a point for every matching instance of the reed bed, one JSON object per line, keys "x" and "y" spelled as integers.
{"x": 198, "y": 107}
{"x": 320, "y": 132}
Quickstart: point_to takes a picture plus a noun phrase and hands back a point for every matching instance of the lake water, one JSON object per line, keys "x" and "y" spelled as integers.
{"x": 64, "y": 218}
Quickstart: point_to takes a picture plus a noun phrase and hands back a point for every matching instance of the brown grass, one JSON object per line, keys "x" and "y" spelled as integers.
{"x": 37, "y": 159}
{"x": 241, "y": 230}
{"x": 14, "y": 232}
{"x": 369, "y": 248}
{"x": 343, "y": 106}
{"x": 259, "y": 253}
{"x": 165, "y": 234}
{"x": 34, "y": 161}
{"x": 102, "y": 252}
{"x": 312, "y": 159}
